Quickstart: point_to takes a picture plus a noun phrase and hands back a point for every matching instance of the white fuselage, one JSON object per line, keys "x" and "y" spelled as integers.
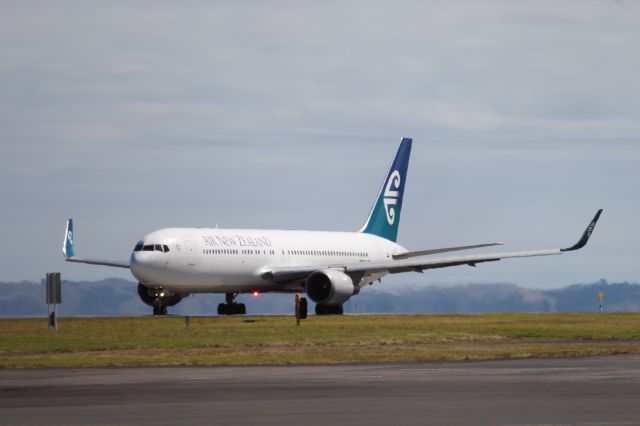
{"x": 211, "y": 260}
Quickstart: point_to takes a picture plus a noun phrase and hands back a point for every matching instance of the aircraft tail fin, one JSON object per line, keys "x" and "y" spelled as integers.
{"x": 384, "y": 217}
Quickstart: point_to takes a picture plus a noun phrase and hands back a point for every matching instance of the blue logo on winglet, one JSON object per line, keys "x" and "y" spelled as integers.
{"x": 67, "y": 249}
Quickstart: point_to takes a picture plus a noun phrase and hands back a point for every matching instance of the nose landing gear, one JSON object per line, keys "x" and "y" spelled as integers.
{"x": 159, "y": 308}
{"x": 231, "y": 307}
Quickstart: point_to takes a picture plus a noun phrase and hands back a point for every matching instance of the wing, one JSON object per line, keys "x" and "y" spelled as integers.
{"x": 70, "y": 256}
{"x": 409, "y": 254}
{"x": 104, "y": 262}
{"x": 418, "y": 265}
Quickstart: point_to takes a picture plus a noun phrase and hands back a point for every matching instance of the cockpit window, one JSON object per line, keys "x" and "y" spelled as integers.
{"x": 152, "y": 247}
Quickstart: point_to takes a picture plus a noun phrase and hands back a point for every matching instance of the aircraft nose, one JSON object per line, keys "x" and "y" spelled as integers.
{"x": 141, "y": 266}
{"x": 136, "y": 266}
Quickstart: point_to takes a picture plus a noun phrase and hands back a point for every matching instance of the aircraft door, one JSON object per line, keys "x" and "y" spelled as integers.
{"x": 188, "y": 252}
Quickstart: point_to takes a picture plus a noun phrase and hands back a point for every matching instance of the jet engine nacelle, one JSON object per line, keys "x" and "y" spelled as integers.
{"x": 329, "y": 287}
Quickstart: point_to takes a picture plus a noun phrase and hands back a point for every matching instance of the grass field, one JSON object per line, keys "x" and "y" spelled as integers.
{"x": 83, "y": 342}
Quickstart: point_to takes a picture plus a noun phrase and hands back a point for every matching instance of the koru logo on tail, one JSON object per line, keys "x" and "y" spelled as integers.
{"x": 391, "y": 196}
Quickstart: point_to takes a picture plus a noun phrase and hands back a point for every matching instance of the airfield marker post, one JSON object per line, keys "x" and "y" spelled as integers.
{"x": 297, "y": 309}
{"x": 54, "y": 297}
{"x": 601, "y": 298}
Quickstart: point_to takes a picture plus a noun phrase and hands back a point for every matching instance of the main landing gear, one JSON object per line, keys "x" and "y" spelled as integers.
{"x": 300, "y": 308}
{"x": 231, "y": 307}
{"x": 329, "y": 309}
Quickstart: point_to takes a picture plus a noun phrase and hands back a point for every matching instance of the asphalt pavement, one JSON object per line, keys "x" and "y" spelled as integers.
{"x": 582, "y": 391}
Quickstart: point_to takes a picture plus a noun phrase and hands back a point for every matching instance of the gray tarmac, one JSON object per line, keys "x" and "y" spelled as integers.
{"x": 584, "y": 391}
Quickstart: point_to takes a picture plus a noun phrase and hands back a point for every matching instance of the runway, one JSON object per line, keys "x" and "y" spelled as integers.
{"x": 587, "y": 391}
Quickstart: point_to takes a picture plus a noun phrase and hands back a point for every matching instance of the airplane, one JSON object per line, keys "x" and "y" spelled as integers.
{"x": 329, "y": 267}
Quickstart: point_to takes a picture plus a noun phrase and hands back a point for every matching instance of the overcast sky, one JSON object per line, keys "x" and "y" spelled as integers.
{"x": 133, "y": 116}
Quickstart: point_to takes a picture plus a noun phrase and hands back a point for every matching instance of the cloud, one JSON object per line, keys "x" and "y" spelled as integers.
{"x": 155, "y": 114}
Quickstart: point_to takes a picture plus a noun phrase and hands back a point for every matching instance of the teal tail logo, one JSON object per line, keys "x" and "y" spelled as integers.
{"x": 67, "y": 247}
{"x": 384, "y": 218}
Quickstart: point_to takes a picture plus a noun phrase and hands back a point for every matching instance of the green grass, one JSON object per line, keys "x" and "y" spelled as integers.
{"x": 277, "y": 340}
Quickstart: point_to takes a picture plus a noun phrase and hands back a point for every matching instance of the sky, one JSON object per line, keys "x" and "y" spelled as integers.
{"x": 134, "y": 116}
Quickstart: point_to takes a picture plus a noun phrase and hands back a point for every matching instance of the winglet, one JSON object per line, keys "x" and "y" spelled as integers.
{"x": 585, "y": 236}
{"x": 67, "y": 246}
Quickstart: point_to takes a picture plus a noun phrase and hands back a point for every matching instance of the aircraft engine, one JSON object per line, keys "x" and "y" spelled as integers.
{"x": 151, "y": 296}
{"x": 329, "y": 287}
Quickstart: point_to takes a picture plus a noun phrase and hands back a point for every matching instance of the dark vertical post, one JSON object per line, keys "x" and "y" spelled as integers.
{"x": 54, "y": 297}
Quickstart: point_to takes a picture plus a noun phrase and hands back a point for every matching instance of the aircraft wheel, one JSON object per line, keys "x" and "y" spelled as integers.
{"x": 159, "y": 309}
{"x": 222, "y": 309}
{"x": 328, "y": 310}
{"x": 232, "y": 309}
{"x": 303, "y": 308}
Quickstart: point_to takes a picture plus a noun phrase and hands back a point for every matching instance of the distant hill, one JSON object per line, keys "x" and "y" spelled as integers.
{"x": 115, "y": 296}
{"x": 480, "y": 298}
